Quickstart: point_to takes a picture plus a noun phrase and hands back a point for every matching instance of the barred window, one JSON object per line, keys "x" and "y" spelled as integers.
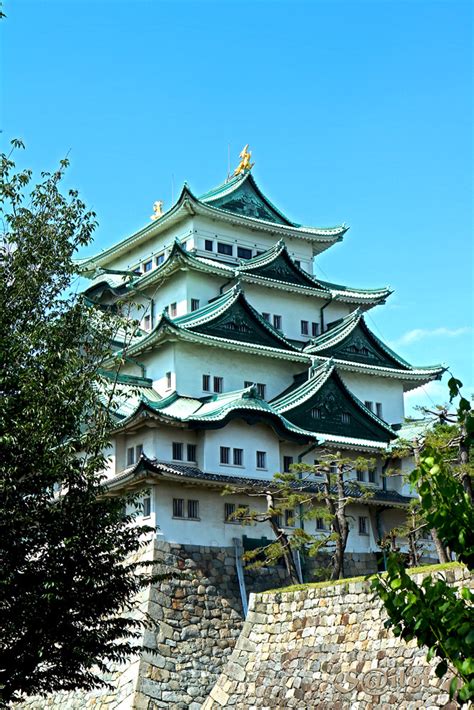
{"x": 363, "y": 525}
{"x": 206, "y": 383}
{"x": 191, "y": 452}
{"x": 287, "y": 463}
{"x": 218, "y": 384}
{"x": 238, "y": 457}
{"x": 193, "y": 509}
{"x": 177, "y": 451}
{"x": 229, "y": 510}
{"x": 225, "y": 454}
{"x": 178, "y": 507}
{"x": 194, "y": 304}
{"x": 261, "y": 459}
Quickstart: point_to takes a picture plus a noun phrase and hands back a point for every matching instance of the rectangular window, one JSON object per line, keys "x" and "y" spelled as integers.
{"x": 277, "y": 322}
{"x": 226, "y": 249}
{"x": 191, "y": 452}
{"x": 177, "y": 451}
{"x": 146, "y": 502}
{"x": 225, "y": 454}
{"x": 333, "y": 467}
{"x": 378, "y": 409}
{"x": 261, "y": 459}
{"x": 178, "y": 507}
{"x": 159, "y": 259}
{"x": 289, "y": 518}
{"x": 244, "y": 253}
{"x": 345, "y": 418}
{"x": 168, "y": 380}
{"x": 304, "y": 327}
{"x": 361, "y": 475}
{"x": 147, "y": 266}
{"x": 320, "y": 524}
{"x": 206, "y": 383}
{"x": 194, "y": 304}
{"x": 209, "y": 245}
{"x": 130, "y": 456}
{"x": 173, "y": 310}
{"x": 229, "y": 510}
{"x": 316, "y": 413}
{"x": 247, "y": 383}
{"x": 266, "y": 316}
{"x": 315, "y": 329}
{"x": 372, "y": 475}
{"x": 218, "y": 384}
{"x": 138, "y": 451}
{"x": 363, "y": 525}
{"x": 261, "y": 389}
{"x": 298, "y": 263}
{"x": 369, "y": 405}
{"x": 147, "y": 323}
{"x": 287, "y": 462}
{"x": 238, "y": 457}
{"x": 193, "y": 509}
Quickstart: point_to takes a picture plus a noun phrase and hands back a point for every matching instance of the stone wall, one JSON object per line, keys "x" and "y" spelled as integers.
{"x": 326, "y": 647}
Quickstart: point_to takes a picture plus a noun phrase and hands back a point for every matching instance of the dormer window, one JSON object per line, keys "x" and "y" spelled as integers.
{"x": 345, "y": 418}
{"x": 316, "y": 413}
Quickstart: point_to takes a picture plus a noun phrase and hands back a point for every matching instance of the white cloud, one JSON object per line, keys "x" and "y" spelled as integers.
{"x": 430, "y": 395}
{"x": 414, "y": 336}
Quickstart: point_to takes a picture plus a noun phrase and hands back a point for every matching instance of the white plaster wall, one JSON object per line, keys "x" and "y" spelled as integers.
{"x": 378, "y": 389}
{"x": 157, "y": 363}
{"x": 192, "y": 361}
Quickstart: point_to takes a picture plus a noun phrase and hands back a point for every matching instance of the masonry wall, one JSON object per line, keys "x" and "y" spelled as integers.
{"x": 327, "y": 648}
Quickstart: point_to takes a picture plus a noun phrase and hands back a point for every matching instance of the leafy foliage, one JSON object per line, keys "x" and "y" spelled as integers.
{"x": 434, "y": 613}
{"x": 64, "y": 545}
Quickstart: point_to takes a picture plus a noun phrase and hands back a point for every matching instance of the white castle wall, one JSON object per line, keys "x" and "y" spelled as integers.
{"x": 378, "y": 389}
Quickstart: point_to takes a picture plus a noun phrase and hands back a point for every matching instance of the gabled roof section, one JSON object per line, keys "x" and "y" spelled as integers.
{"x": 216, "y": 411}
{"x": 277, "y": 264}
{"x": 326, "y": 406}
{"x": 232, "y": 316}
{"x": 242, "y": 195}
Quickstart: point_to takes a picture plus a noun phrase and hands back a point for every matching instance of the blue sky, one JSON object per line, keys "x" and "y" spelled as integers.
{"x": 355, "y": 111}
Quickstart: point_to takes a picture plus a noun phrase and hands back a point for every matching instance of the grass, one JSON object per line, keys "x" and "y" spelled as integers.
{"x": 348, "y": 580}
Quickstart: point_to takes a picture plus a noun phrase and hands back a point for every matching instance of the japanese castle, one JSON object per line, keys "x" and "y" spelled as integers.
{"x": 245, "y": 363}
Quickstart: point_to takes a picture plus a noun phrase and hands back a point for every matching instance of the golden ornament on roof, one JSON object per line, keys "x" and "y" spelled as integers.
{"x": 245, "y": 165}
{"x": 157, "y": 210}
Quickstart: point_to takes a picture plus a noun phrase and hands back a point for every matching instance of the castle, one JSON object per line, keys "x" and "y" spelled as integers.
{"x": 244, "y": 364}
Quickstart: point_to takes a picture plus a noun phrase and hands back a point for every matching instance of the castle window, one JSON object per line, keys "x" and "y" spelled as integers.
{"x": 229, "y": 510}
{"x": 177, "y": 451}
{"x": 363, "y": 525}
{"x": 159, "y": 259}
{"x": 333, "y": 467}
{"x": 364, "y": 351}
{"x": 168, "y": 380}
{"x": 147, "y": 322}
{"x": 320, "y": 524}
{"x": 277, "y": 322}
{"x": 373, "y": 475}
{"x": 369, "y": 405}
{"x": 361, "y": 476}
{"x": 130, "y": 456}
{"x": 206, "y": 383}
{"x": 304, "y": 327}
{"x": 298, "y": 262}
{"x": 238, "y": 457}
{"x": 287, "y": 462}
{"x": 345, "y": 418}
{"x": 173, "y": 310}
{"x": 178, "y": 507}
{"x": 225, "y": 455}
{"x": 218, "y": 384}
{"x": 191, "y": 452}
{"x": 244, "y": 253}
{"x": 261, "y": 459}
{"x": 289, "y": 518}
{"x": 194, "y": 304}
{"x": 261, "y": 387}
{"x": 208, "y": 245}
{"x": 226, "y": 249}
{"x": 146, "y": 504}
{"x": 138, "y": 451}
{"x": 266, "y": 316}
{"x": 314, "y": 329}
{"x": 147, "y": 266}
{"x": 378, "y": 409}
{"x": 193, "y": 509}
{"x": 316, "y": 413}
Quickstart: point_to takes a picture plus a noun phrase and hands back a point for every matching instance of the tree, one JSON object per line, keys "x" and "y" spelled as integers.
{"x": 65, "y": 574}
{"x": 323, "y": 490}
{"x": 434, "y": 613}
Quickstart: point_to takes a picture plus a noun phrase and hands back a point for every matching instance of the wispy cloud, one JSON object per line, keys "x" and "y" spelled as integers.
{"x": 414, "y": 336}
{"x": 430, "y": 395}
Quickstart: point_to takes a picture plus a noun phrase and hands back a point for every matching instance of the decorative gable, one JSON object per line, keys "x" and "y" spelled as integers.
{"x": 280, "y": 268}
{"x": 359, "y": 345}
{"x": 247, "y": 201}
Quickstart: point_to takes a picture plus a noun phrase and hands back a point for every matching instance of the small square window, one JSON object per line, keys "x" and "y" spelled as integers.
{"x": 247, "y": 383}
{"x": 378, "y": 409}
{"x": 194, "y": 304}
{"x": 191, "y": 452}
{"x": 146, "y": 503}
{"x": 238, "y": 457}
{"x": 223, "y": 248}
{"x": 178, "y": 507}
{"x": 206, "y": 383}
{"x": 304, "y": 327}
{"x": 369, "y": 405}
{"x": 168, "y": 380}
{"x": 261, "y": 459}
{"x": 177, "y": 451}
{"x": 147, "y": 266}
{"x": 159, "y": 259}
{"x": 229, "y": 510}
{"x": 193, "y": 509}
{"x": 173, "y": 310}
{"x": 218, "y": 384}
{"x": 363, "y": 525}
{"x": 130, "y": 456}
{"x": 277, "y": 322}
{"x": 345, "y": 418}
{"x": 225, "y": 454}
{"x": 372, "y": 475}
{"x": 316, "y": 413}
{"x": 315, "y": 329}
{"x": 287, "y": 463}
{"x": 209, "y": 245}
{"x": 266, "y": 316}
{"x": 244, "y": 253}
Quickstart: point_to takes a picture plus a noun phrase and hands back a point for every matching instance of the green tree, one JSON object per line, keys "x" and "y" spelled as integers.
{"x": 438, "y": 616}
{"x": 65, "y": 582}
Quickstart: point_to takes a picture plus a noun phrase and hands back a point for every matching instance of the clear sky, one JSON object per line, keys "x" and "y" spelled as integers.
{"x": 356, "y": 112}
